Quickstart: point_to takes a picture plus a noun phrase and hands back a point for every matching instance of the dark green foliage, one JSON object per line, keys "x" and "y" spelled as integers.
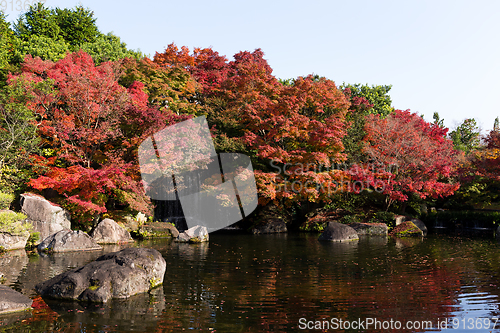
{"x": 73, "y": 26}
{"x": 364, "y": 100}
{"x": 466, "y": 136}
{"x": 109, "y": 48}
{"x": 348, "y": 219}
{"x": 77, "y": 26}
{"x": 51, "y": 33}
{"x": 18, "y": 133}
{"x": 8, "y": 45}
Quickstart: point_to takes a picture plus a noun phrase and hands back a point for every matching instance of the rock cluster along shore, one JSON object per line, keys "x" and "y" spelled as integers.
{"x": 338, "y": 232}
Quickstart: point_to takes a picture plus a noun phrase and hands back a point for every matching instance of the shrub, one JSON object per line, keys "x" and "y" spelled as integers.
{"x": 34, "y": 238}
{"x": 5, "y": 200}
{"x": 348, "y": 219}
{"x": 12, "y": 223}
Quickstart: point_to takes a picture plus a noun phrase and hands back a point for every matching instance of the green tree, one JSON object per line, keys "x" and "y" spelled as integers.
{"x": 376, "y": 95}
{"x": 364, "y": 100}
{"x": 18, "y": 130}
{"x": 466, "y": 136}
{"x": 8, "y": 44}
{"x": 438, "y": 121}
{"x": 51, "y": 33}
{"x": 73, "y": 26}
{"x": 496, "y": 125}
{"x": 44, "y": 47}
{"x": 109, "y": 48}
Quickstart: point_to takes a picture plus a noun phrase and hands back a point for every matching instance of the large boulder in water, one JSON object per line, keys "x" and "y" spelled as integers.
{"x": 67, "y": 241}
{"x": 13, "y": 301}
{"x": 338, "y": 232}
{"x": 109, "y": 232}
{"x": 46, "y": 217}
{"x": 114, "y": 275}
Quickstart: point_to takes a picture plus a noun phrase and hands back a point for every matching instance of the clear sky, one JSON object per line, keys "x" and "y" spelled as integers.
{"x": 438, "y": 55}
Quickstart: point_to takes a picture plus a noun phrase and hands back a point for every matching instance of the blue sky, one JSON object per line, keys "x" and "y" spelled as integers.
{"x": 438, "y": 55}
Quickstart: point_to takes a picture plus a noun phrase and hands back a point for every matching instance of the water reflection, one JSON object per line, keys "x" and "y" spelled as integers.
{"x": 139, "y": 312}
{"x": 11, "y": 265}
{"x": 268, "y": 282}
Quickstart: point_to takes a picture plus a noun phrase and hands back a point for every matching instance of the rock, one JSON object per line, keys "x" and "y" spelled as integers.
{"x": 407, "y": 229}
{"x": 370, "y": 228}
{"x": 158, "y": 230}
{"x": 68, "y": 240}
{"x": 114, "y": 275}
{"x": 109, "y": 232}
{"x": 10, "y": 241}
{"x": 196, "y": 234}
{"x": 271, "y": 227}
{"x": 46, "y": 218}
{"x": 130, "y": 223}
{"x": 268, "y": 219}
{"x": 338, "y": 232}
{"x": 420, "y": 225}
{"x": 399, "y": 219}
{"x": 13, "y": 301}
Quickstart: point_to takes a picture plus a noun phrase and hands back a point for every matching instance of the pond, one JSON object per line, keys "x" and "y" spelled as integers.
{"x": 284, "y": 283}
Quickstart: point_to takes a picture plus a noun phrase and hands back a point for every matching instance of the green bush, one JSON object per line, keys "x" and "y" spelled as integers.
{"x": 12, "y": 223}
{"x": 348, "y": 219}
{"x": 5, "y": 200}
{"x": 383, "y": 217}
{"x": 32, "y": 240}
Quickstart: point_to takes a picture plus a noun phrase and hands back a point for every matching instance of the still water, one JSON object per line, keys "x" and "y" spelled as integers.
{"x": 282, "y": 283}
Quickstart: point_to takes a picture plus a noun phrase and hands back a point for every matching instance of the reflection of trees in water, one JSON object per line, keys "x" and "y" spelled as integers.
{"x": 272, "y": 288}
{"x": 269, "y": 282}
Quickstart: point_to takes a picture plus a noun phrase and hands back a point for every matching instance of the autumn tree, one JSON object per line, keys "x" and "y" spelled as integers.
{"x": 407, "y": 156}
{"x": 480, "y": 175}
{"x": 169, "y": 88}
{"x": 296, "y": 128}
{"x": 90, "y": 127}
{"x": 364, "y": 100}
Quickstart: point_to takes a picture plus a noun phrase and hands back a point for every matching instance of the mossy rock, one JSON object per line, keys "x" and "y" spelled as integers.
{"x": 407, "y": 229}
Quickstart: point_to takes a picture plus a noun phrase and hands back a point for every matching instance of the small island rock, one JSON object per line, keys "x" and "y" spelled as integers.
{"x": 338, "y": 232}
{"x": 196, "y": 234}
